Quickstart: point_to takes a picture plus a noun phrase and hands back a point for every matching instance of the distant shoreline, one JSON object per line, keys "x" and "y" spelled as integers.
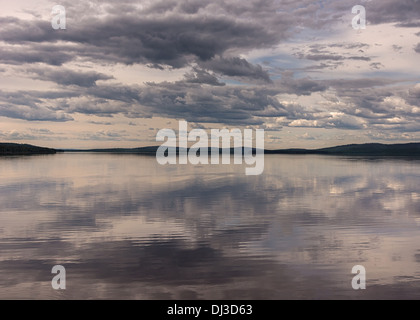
{"x": 367, "y": 149}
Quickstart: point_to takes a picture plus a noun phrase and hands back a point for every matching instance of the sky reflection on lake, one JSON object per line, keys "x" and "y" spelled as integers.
{"x": 126, "y": 227}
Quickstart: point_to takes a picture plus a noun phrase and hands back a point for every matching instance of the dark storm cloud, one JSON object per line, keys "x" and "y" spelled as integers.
{"x": 417, "y": 49}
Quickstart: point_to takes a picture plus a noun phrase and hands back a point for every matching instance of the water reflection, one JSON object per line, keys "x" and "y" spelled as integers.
{"x": 126, "y": 227}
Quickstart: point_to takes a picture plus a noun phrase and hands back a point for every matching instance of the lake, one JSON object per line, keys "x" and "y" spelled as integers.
{"x": 125, "y": 227}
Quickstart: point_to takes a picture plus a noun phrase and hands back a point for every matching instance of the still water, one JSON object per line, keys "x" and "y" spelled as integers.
{"x": 125, "y": 227}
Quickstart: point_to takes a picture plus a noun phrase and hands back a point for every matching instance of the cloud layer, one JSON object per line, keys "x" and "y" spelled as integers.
{"x": 253, "y": 63}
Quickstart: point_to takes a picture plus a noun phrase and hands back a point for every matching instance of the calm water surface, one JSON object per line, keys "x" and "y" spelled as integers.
{"x": 126, "y": 227}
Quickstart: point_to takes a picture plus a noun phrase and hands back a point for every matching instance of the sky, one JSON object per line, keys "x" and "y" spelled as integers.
{"x": 121, "y": 71}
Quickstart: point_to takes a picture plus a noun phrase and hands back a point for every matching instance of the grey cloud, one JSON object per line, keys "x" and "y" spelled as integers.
{"x": 24, "y": 105}
{"x": 415, "y": 92}
{"x": 128, "y": 94}
{"x": 384, "y": 11}
{"x": 356, "y": 45}
{"x": 409, "y": 25}
{"x": 331, "y": 65}
{"x": 15, "y": 136}
{"x": 380, "y": 106}
{"x": 32, "y": 113}
{"x": 329, "y": 121}
{"x": 189, "y": 99}
{"x": 209, "y": 38}
{"x": 414, "y": 96}
{"x": 333, "y": 57}
{"x": 93, "y": 106}
{"x": 171, "y": 39}
{"x": 318, "y": 57}
{"x": 376, "y": 65}
{"x": 396, "y": 47}
{"x": 104, "y": 135}
{"x": 202, "y": 76}
{"x": 243, "y": 105}
{"x": 194, "y": 102}
{"x": 31, "y": 134}
{"x": 103, "y": 123}
{"x": 237, "y": 67}
{"x": 17, "y": 55}
{"x": 349, "y": 85}
{"x": 307, "y": 136}
{"x": 303, "y": 86}
{"x": 344, "y": 122}
{"x": 359, "y": 58}
{"x": 325, "y": 52}
{"x": 173, "y": 33}
{"x": 42, "y": 131}
{"x": 69, "y": 77}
